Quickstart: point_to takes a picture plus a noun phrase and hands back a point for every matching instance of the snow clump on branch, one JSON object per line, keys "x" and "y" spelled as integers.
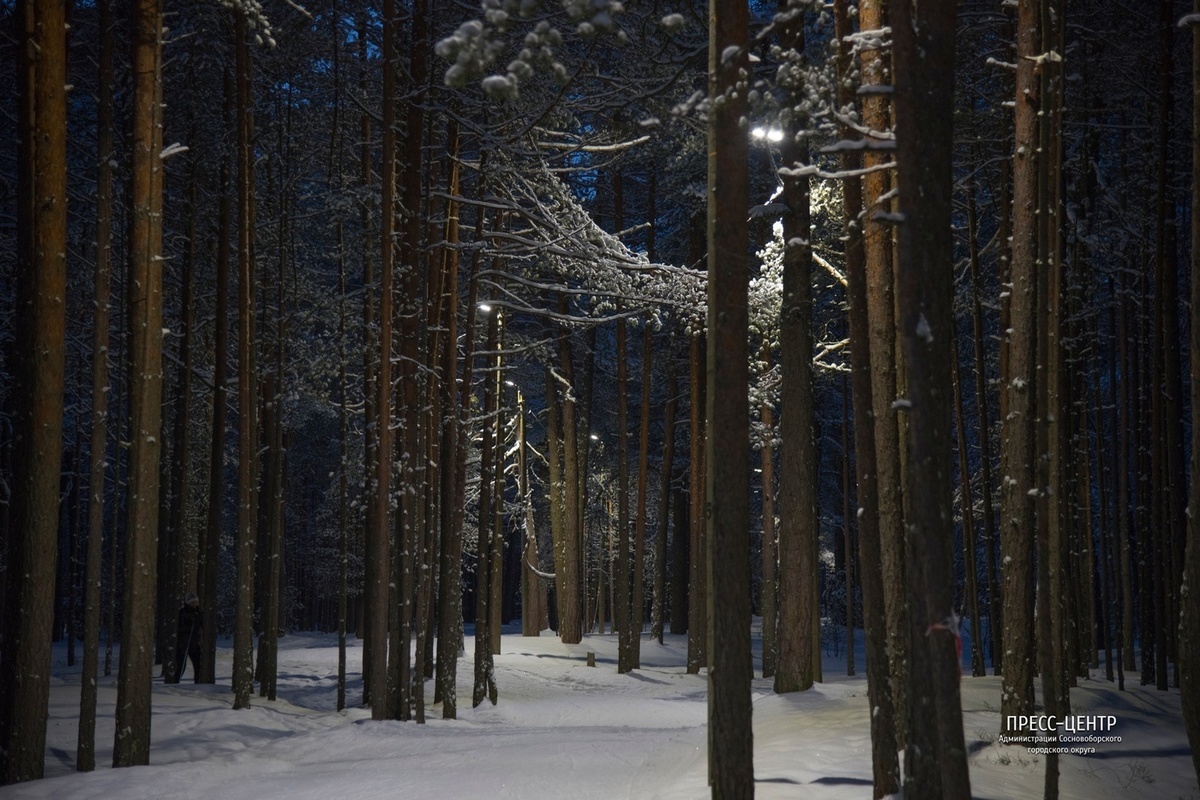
{"x": 478, "y": 43}
{"x": 256, "y": 20}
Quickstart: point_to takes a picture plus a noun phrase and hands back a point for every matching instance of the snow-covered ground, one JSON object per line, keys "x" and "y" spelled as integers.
{"x": 564, "y": 730}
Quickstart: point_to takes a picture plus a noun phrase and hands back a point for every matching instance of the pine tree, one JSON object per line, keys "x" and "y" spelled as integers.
{"x": 132, "y": 747}
{"x": 40, "y": 350}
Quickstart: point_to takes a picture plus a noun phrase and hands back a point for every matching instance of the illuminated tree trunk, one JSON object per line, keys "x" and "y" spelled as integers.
{"x": 770, "y": 551}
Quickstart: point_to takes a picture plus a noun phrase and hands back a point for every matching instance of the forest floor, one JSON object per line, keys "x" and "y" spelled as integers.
{"x": 564, "y": 730}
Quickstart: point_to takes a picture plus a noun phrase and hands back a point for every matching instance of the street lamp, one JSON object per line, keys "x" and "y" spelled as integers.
{"x": 772, "y": 134}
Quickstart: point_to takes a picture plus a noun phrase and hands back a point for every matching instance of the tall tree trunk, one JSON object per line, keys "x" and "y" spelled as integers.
{"x": 132, "y": 745}
{"x": 557, "y": 509}
{"x": 770, "y": 550}
{"x": 852, "y": 209}
{"x": 210, "y": 549}
{"x": 450, "y": 621}
{"x": 985, "y": 439}
{"x": 1017, "y": 479}
{"x": 584, "y": 421}
{"x": 243, "y": 667}
{"x": 531, "y": 594}
{"x": 40, "y": 351}
{"x": 638, "y": 606}
{"x": 1165, "y": 437}
{"x": 847, "y": 536}
{"x": 884, "y": 763}
{"x": 1051, "y": 417}
{"x": 485, "y": 681}
{"x": 343, "y": 476}
{"x": 378, "y": 550}
{"x": 658, "y": 616}
{"x": 274, "y": 474}
{"x": 697, "y": 605}
{"x": 799, "y": 615}
{"x": 935, "y": 754}
{"x": 967, "y": 499}
{"x": 622, "y": 613}
{"x": 1107, "y": 603}
{"x": 181, "y": 460}
{"x": 570, "y": 623}
{"x": 680, "y": 563}
{"x": 1189, "y": 617}
{"x": 408, "y": 322}
{"x": 85, "y": 754}
{"x": 730, "y": 737}
{"x": 877, "y": 239}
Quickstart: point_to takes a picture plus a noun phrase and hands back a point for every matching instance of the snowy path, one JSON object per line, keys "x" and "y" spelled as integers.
{"x": 565, "y": 730}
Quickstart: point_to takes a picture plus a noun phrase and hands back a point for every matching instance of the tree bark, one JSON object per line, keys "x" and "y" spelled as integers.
{"x": 40, "y": 350}
{"x": 967, "y": 499}
{"x": 1017, "y": 479}
{"x": 570, "y": 611}
{"x": 884, "y": 763}
{"x": 132, "y": 745}
{"x": 1189, "y": 622}
{"x": 622, "y": 614}
{"x": 243, "y": 668}
{"x": 985, "y": 441}
{"x": 799, "y": 613}
{"x": 935, "y": 753}
{"x": 878, "y": 247}
{"x": 638, "y": 616}
{"x": 85, "y": 754}
{"x": 450, "y": 621}
{"x": 697, "y": 604}
{"x": 658, "y": 614}
{"x": 730, "y": 737}
{"x": 408, "y": 539}
{"x": 770, "y": 550}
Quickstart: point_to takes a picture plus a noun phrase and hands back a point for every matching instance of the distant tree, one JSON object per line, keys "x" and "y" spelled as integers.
{"x": 210, "y": 546}
{"x": 247, "y": 513}
{"x": 85, "y": 758}
{"x": 378, "y": 563}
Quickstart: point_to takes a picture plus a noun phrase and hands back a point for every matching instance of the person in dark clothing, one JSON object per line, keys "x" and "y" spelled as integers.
{"x": 187, "y": 637}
